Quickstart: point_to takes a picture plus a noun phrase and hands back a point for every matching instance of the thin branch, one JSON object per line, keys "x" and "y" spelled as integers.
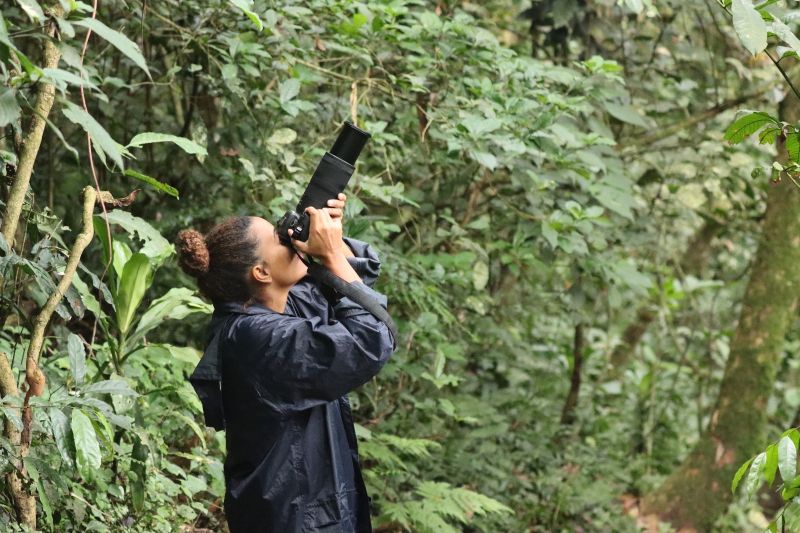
{"x": 33, "y": 139}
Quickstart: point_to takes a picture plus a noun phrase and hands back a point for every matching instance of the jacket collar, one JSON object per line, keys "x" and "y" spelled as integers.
{"x": 239, "y": 308}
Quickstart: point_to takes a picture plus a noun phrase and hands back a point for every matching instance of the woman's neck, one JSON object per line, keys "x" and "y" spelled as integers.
{"x": 273, "y": 297}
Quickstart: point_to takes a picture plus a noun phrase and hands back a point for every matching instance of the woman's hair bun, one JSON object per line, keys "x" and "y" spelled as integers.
{"x": 193, "y": 255}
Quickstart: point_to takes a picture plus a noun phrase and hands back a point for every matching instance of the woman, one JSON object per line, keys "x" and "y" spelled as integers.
{"x": 288, "y": 358}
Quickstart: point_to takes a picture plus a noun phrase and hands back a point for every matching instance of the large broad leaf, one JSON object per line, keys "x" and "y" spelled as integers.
{"x": 749, "y": 26}
{"x": 176, "y": 304}
{"x": 60, "y": 426}
{"x": 118, "y": 40}
{"x": 155, "y": 245}
{"x": 122, "y": 252}
{"x": 787, "y": 459}
{"x": 188, "y": 146}
{"x": 136, "y": 278}
{"x": 754, "y": 478}
{"x": 745, "y": 126}
{"x": 101, "y": 140}
{"x": 87, "y": 449}
{"x": 9, "y": 109}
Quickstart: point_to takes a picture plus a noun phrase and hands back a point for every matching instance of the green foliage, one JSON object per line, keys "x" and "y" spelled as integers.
{"x": 510, "y": 194}
{"x": 780, "y": 456}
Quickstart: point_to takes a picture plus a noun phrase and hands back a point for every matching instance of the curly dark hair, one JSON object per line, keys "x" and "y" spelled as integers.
{"x": 221, "y": 260}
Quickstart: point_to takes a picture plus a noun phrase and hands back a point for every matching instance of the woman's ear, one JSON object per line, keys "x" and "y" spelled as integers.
{"x": 260, "y": 273}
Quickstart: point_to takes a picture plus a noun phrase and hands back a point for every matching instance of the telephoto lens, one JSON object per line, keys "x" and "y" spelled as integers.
{"x": 329, "y": 179}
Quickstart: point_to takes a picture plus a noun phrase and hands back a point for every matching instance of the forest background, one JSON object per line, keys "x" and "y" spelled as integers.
{"x": 590, "y": 255}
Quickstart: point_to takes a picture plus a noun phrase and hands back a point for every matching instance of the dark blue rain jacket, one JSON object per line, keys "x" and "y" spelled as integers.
{"x": 292, "y": 459}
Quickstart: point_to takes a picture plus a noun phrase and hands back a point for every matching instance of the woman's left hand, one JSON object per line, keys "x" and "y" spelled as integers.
{"x": 336, "y": 207}
{"x": 336, "y": 211}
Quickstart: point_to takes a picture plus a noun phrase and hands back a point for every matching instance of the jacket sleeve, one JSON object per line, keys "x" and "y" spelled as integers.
{"x": 366, "y": 262}
{"x": 300, "y": 362}
{"x": 306, "y": 298}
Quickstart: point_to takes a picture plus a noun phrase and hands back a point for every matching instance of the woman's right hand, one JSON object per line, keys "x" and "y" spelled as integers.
{"x": 324, "y": 235}
{"x": 325, "y": 243}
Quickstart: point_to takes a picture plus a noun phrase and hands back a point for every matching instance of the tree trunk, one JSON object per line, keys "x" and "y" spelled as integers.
{"x": 693, "y": 262}
{"x": 698, "y": 492}
{"x": 568, "y": 412}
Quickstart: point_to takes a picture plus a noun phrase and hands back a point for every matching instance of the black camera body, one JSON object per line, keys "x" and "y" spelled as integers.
{"x": 329, "y": 179}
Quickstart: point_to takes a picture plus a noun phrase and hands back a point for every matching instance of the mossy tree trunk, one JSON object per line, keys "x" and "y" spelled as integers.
{"x": 698, "y": 492}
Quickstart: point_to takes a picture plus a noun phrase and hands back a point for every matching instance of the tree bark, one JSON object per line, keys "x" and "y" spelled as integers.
{"x": 693, "y": 262}
{"x": 34, "y": 377}
{"x": 33, "y": 138}
{"x": 24, "y": 503}
{"x": 694, "y": 495}
{"x": 568, "y": 412}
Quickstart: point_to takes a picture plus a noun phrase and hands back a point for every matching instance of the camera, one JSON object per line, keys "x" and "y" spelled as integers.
{"x": 329, "y": 179}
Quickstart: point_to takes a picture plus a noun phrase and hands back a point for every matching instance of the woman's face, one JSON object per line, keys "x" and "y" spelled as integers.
{"x": 283, "y": 264}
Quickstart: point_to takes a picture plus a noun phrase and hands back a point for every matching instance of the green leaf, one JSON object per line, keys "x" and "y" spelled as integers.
{"x": 769, "y": 135}
{"x": 786, "y": 34}
{"x": 32, "y": 9}
{"x": 87, "y": 449}
{"x": 9, "y": 109}
{"x": 155, "y": 245}
{"x": 635, "y": 5}
{"x": 193, "y": 425}
{"x": 110, "y": 386}
{"x": 246, "y": 7}
{"x": 627, "y": 113}
{"x": 747, "y": 125}
{"x": 187, "y": 145}
{"x": 754, "y": 477}
{"x": 176, "y": 304}
{"x": 43, "y": 499}
{"x": 101, "y": 140}
{"x": 771, "y": 465}
{"x": 135, "y": 279}
{"x": 793, "y": 146}
{"x": 77, "y": 358}
{"x": 787, "y": 458}
{"x": 550, "y": 233}
{"x": 158, "y": 185}
{"x": 139, "y": 455}
{"x": 288, "y": 89}
{"x": 59, "y": 423}
{"x": 749, "y": 26}
{"x": 122, "y": 252}
{"x": 480, "y": 275}
{"x": 484, "y": 158}
{"x": 66, "y": 77}
{"x": 118, "y": 40}
{"x": 739, "y": 474}
{"x": 282, "y": 136}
